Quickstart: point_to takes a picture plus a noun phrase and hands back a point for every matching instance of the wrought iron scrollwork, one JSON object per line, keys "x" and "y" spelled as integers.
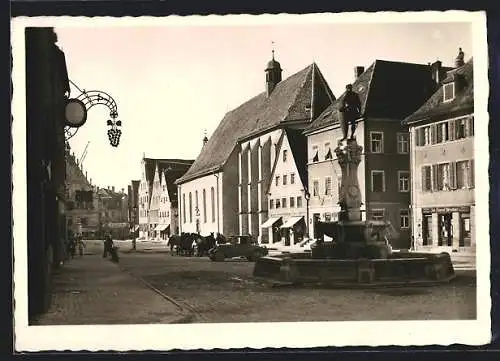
{"x": 92, "y": 98}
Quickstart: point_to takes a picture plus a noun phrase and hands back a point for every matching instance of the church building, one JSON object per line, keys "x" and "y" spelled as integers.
{"x": 225, "y": 189}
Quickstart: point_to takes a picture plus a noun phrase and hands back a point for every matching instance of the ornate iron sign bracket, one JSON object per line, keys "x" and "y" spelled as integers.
{"x": 77, "y": 108}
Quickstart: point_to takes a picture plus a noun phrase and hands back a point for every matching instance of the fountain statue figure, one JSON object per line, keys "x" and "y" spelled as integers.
{"x": 350, "y": 111}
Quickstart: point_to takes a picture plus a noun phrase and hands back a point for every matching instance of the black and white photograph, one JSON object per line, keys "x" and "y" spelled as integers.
{"x": 237, "y": 181}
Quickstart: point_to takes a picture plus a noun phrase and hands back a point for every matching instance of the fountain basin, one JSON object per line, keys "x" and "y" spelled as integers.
{"x": 396, "y": 269}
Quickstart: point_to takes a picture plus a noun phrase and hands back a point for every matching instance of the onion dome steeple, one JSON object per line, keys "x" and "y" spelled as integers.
{"x": 273, "y": 74}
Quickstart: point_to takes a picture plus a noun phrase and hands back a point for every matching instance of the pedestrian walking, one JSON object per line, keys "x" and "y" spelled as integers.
{"x": 108, "y": 243}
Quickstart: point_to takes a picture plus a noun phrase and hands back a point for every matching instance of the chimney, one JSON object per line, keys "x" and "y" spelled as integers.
{"x": 90, "y": 181}
{"x": 358, "y": 70}
{"x": 459, "y": 80}
{"x": 123, "y": 190}
{"x": 86, "y": 175}
{"x": 438, "y": 73}
{"x": 113, "y": 189}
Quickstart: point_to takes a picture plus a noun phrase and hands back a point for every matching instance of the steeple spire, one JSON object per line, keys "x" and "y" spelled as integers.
{"x": 273, "y": 73}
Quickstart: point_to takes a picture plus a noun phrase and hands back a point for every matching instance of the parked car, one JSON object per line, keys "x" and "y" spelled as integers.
{"x": 238, "y": 246}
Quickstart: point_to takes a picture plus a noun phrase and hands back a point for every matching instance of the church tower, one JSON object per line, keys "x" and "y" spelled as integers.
{"x": 273, "y": 75}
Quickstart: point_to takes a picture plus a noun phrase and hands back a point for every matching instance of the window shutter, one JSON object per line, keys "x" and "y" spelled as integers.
{"x": 433, "y": 131}
{"x": 452, "y": 129}
{"x": 453, "y": 175}
{"x": 470, "y": 126}
{"x": 434, "y": 175}
{"x": 424, "y": 177}
{"x": 471, "y": 179}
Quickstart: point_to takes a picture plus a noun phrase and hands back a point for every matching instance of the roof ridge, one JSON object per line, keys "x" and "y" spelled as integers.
{"x": 374, "y": 64}
{"x": 329, "y": 92}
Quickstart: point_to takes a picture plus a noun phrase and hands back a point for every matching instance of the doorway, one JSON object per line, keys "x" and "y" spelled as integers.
{"x": 445, "y": 230}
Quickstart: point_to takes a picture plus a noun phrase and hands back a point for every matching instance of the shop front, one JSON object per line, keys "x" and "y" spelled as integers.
{"x": 447, "y": 228}
{"x": 293, "y": 230}
{"x": 273, "y": 225}
{"x": 162, "y": 231}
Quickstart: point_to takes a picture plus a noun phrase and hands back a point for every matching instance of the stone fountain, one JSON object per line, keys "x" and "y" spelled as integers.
{"x": 360, "y": 254}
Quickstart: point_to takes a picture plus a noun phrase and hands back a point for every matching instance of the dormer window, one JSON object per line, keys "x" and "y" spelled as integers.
{"x": 448, "y": 92}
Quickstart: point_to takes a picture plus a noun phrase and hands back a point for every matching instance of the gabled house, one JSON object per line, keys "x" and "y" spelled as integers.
{"x": 233, "y": 169}
{"x": 389, "y": 91}
{"x": 442, "y": 160}
{"x": 287, "y": 190}
{"x": 158, "y": 196}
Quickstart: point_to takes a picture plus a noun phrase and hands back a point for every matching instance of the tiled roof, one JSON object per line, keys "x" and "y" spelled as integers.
{"x": 289, "y": 101}
{"x": 387, "y": 89}
{"x": 463, "y": 102}
{"x": 173, "y": 169}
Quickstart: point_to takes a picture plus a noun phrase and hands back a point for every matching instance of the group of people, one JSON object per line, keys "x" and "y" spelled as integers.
{"x": 75, "y": 243}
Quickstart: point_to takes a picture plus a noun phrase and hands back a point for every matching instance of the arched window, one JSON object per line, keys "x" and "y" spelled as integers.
{"x": 196, "y": 207}
{"x": 212, "y": 198}
{"x": 204, "y": 206}
{"x": 184, "y": 207}
{"x": 190, "y": 208}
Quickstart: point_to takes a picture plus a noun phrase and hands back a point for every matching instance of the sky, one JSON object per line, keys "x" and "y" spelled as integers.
{"x": 173, "y": 83}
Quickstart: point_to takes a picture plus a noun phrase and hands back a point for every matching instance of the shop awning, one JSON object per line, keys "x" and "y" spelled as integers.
{"x": 162, "y": 227}
{"x": 291, "y": 222}
{"x": 270, "y": 222}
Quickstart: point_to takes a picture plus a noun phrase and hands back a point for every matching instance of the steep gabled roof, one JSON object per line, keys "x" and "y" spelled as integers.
{"x": 298, "y": 146}
{"x": 463, "y": 102}
{"x": 172, "y": 168}
{"x": 290, "y": 101}
{"x": 387, "y": 89}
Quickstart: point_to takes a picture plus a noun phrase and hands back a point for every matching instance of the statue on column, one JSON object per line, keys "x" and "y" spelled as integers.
{"x": 350, "y": 111}
{"x": 460, "y": 59}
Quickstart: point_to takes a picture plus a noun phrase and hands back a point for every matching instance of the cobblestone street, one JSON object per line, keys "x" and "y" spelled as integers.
{"x": 93, "y": 290}
{"x": 226, "y": 292}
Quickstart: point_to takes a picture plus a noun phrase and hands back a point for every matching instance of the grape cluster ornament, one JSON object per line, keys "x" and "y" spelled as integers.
{"x": 114, "y": 132}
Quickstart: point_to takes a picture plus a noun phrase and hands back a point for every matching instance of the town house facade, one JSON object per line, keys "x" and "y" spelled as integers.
{"x": 384, "y": 171}
{"x": 157, "y": 196}
{"x": 442, "y": 158}
{"x": 236, "y": 162}
{"x": 287, "y": 190}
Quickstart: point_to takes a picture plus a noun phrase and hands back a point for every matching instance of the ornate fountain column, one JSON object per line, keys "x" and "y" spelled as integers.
{"x": 349, "y": 157}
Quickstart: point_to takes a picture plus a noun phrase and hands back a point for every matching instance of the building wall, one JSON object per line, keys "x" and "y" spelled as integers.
{"x": 392, "y": 200}
{"x": 458, "y": 202}
{"x": 164, "y": 210}
{"x": 143, "y": 204}
{"x": 81, "y": 217}
{"x": 278, "y": 190}
{"x": 188, "y": 224}
{"x": 255, "y": 158}
{"x": 154, "y": 205}
{"x": 228, "y": 196}
{"x": 326, "y": 206}
{"x": 46, "y": 84}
